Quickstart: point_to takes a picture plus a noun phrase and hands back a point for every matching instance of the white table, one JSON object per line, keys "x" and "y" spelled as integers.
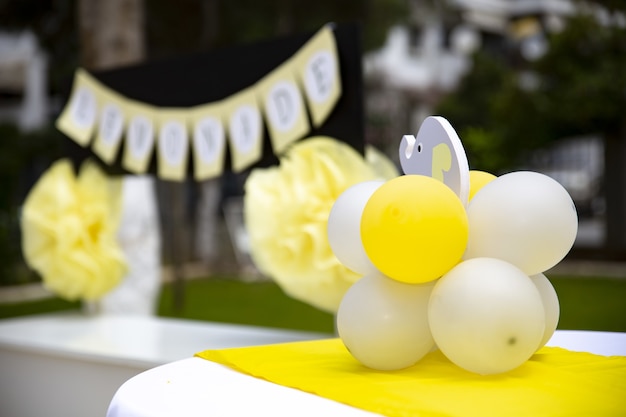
{"x": 197, "y": 387}
{"x": 70, "y": 365}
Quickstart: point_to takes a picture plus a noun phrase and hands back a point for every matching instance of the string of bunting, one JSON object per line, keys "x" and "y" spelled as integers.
{"x": 97, "y": 116}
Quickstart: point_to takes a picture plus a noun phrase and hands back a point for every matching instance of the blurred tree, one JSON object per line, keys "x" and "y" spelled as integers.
{"x": 188, "y": 26}
{"x": 499, "y": 121}
{"x": 506, "y": 107}
{"x": 470, "y": 109}
{"x": 197, "y": 24}
{"x": 111, "y": 33}
{"x": 583, "y": 85}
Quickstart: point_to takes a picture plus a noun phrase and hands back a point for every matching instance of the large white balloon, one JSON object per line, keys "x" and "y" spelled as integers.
{"x": 486, "y": 316}
{"x": 525, "y": 218}
{"x": 550, "y": 305}
{"x": 384, "y": 323}
{"x": 344, "y": 227}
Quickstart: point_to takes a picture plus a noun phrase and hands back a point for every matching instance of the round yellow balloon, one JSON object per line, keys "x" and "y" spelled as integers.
{"x": 414, "y": 229}
{"x": 477, "y": 180}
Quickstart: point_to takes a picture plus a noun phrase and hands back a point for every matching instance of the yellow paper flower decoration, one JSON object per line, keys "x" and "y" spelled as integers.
{"x": 286, "y": 210}
{"x": 69, "y": 226}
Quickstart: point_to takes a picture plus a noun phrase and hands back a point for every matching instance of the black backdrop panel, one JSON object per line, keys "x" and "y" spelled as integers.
{"x": 212, "y": 76}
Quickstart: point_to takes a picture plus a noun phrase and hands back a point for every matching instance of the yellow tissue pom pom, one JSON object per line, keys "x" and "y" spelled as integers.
{"x": 69, "y": 231}
{"x": 286, "y": 210}
{"x": 383, "y": 166}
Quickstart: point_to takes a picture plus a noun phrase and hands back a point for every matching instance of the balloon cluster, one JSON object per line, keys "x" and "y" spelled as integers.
{"x": 450, "y": 258}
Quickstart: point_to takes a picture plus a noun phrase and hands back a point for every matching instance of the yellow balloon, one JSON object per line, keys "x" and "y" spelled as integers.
{"x": 414, "y": 229}
{"x": 477, "y": 180}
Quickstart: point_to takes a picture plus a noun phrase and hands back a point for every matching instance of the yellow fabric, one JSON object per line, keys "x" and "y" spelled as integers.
{"x": 554, "y": 382}
{"x": 69, "y": 231}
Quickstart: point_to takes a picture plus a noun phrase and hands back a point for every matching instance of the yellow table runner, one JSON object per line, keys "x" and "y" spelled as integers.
{"x": 554, "y": 382}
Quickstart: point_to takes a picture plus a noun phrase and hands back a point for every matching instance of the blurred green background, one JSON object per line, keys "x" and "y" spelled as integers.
{"x": 513, "y": 109}
{"x": 587, "y": 303}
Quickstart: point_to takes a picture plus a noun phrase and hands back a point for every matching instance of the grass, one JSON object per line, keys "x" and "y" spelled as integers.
{"x": 586, "y": 304}
{"x": 257, "y": 303}
{"x": 591, "y": 303}
{"x": 27, "y": 308}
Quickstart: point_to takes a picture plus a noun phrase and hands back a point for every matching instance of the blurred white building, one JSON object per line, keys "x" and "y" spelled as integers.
{"x": 426, "y": 58}
{"x": 23, "y": 80}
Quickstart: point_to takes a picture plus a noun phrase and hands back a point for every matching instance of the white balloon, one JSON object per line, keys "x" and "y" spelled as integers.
{"x": 550, "y": 305}
{"x": 486, "y": 316}
{"x": 384, "y": 323}
{"x": 525, "y": 218}
{"x": 344, "y": 227}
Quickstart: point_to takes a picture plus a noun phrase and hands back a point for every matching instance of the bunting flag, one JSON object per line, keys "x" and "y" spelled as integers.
{"x": 284, "y": 107}
{"x": 318, "y": 70}
{"x": 78, "y": 118}
{"x": 209, "y": 141}
{"x": 110, "y": 123}
{"x": 139, "y": 136}
{"x": 245, "y": 129}
{"x": 172, "y": 144}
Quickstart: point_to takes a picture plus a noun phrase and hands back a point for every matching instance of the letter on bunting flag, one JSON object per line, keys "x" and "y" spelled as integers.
{"x": 139, "y": 136}
{"x": 110, "y": 124}
{"x": 78, "y": 118}
{"x": 317, "y": 66}
{"x": 209, "y": 141}
{"x": 245, "y": 129}
{"x": 172, "y": 144}
{"x": 283, "y": 106}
